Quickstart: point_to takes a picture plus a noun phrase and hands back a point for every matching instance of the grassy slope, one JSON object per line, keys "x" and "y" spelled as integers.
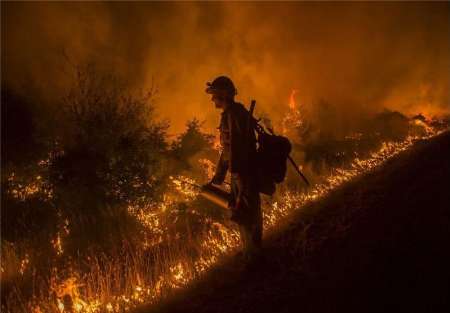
{"x": 379, "y": 244}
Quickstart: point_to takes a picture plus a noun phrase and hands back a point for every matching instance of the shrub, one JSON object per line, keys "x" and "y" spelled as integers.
{"x": 110, "y": 153}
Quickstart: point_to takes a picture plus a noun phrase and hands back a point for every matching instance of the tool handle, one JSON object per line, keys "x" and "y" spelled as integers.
{"x": 252, "y": 107}
{"x": 298, "y": 171}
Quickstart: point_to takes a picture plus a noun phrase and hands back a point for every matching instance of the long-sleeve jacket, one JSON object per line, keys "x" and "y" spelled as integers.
{"x": 238, "y": 142}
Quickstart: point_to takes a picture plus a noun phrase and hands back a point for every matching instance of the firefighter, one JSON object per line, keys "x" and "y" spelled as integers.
{"x": 238, "y": 155}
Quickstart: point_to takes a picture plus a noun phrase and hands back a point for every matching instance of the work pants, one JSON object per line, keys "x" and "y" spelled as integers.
{"x": 248, "y": 216}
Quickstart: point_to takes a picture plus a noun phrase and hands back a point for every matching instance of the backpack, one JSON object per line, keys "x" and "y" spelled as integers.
{"x": 272, "y": 155}
{"x": 271, "y": 160}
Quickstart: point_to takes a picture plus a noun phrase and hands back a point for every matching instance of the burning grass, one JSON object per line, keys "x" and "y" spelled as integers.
{"x": 177, "y": 240}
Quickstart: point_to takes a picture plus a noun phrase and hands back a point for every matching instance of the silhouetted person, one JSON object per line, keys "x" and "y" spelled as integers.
{"x": 238, "y": 156}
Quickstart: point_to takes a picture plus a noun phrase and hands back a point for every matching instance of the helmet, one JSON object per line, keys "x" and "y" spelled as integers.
{"x": 221, "y": 84}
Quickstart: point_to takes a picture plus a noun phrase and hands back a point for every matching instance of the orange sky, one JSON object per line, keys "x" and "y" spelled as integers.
{"x": 361, "y": 57}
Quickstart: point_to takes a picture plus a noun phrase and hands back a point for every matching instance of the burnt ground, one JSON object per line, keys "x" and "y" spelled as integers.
{"x": 378, "y": 244}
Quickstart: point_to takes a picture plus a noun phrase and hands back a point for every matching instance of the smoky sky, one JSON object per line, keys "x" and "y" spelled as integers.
{"x": 359, "y": 57}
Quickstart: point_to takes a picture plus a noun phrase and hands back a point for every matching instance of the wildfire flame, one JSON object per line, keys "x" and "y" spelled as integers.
{"x": 293, "y": 118}
{"x": 217, "y": 240}
{"x": 292, "y": 104}
{"x": 221, "y": 240}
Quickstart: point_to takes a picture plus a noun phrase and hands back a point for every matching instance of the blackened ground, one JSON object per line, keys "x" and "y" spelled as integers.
{"x": 379, "y": 244}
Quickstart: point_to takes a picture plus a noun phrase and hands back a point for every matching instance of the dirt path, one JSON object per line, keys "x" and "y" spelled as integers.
{"x": 378, "y": 244}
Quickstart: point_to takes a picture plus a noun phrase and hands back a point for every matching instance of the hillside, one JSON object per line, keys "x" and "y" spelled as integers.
{"x": 378, "y": 244}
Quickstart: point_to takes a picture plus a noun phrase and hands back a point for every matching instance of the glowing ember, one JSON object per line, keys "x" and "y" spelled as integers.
{"x": 186, "y": 185}
{"x": 57, "y": 244}
{"x": 24, "y": 264}
{"x": 23, "y": 189}
{"x": 209, "y": 167}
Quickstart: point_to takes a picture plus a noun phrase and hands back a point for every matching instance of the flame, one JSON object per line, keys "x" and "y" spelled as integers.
{"x": 28, "y": 187}
{"x": 24, "y": 264}
{"x": 293, "y": 118}
{"x": 219, "y": 240}
{"x": 209, "y": 167}
{"x": 63, "y": 232}
{"x": 68, "y": 297}
{"x": 217, "y": 146}
{"x": 57, "y": 244}
{"x": 179, "y": 275}
{"x": 186, "y": 186}
{"x": 178, "y": 268}
{"x": 428, "y": 129}
{"x": 292, "y": 104}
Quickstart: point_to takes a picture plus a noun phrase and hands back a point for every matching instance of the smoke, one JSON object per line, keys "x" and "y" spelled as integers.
{"x": 358, "y": 57}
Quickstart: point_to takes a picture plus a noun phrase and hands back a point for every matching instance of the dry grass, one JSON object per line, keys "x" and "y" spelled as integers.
{"x": 178, "y": 244}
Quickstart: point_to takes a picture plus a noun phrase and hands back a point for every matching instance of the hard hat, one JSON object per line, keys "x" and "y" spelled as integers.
{"x": 221, "y": 84}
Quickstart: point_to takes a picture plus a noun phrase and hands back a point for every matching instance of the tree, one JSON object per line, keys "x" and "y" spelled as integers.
{"x": 191, "y": 145}
{"x": 109, "y": 153}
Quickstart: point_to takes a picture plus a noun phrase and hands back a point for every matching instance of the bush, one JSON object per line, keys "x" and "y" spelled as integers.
{"x": 191, "y": 146}
{"x": 109, "y": 153}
